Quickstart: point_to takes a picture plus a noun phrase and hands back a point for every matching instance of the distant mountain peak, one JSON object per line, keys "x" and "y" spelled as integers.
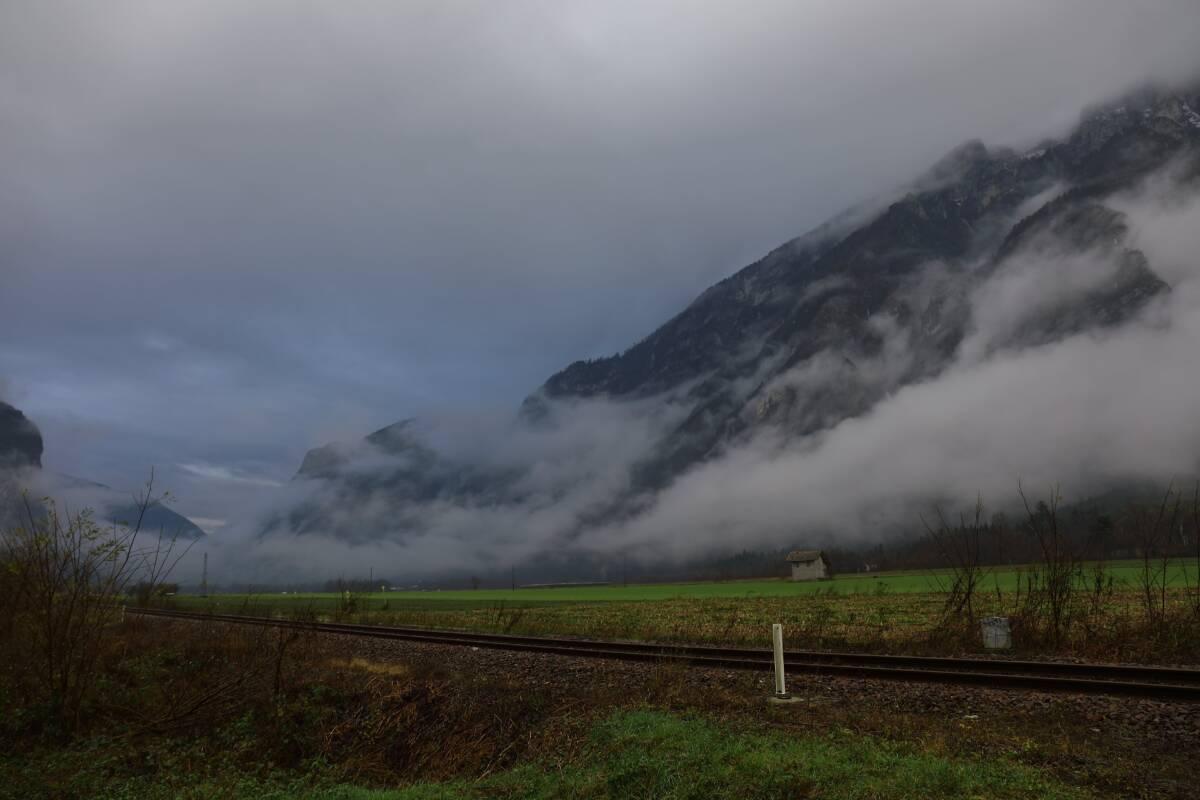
{"x": 20, "y": 439}
{"x": 955, "y": 164}
{"x": 21, "y": 449}
{"x": 828, "y": 325}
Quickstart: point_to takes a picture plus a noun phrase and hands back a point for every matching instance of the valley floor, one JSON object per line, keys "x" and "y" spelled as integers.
{"x": 1107, "y": 620}
{"x": 205, "y": 710}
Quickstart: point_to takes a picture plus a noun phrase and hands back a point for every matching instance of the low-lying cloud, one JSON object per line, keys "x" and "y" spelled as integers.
{"x": 217, "y": 472}
{"x": 1087, "y": 412}
{"x": 1094, "y": 409}
{"x": 231, "y": 231}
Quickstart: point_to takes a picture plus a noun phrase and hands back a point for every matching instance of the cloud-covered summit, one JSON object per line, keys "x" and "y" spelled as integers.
{"x": 761, "y": 411}
{"x": 24, "y": 485}
{"x": 230, "y": 232}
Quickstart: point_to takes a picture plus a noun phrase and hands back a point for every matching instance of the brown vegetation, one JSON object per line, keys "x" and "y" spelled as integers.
{"x": 387, "y": 713}
{"x": 63, "y": 577}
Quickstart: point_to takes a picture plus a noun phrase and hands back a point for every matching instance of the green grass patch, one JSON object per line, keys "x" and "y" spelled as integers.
{"x": 635, "y": 755}
{"x": 651, "y": 754}
{"x": 1124, "y": 574}
{"x": 893, "y": 612}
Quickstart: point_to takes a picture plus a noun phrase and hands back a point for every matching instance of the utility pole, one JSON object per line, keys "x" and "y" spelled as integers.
{"x": 514, "y": 578}
{"x": 204, "y": 577}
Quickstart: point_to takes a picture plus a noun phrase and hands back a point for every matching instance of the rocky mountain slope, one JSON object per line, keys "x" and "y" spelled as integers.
{"x": 21, "y": 467}
{"x": 20, "y": 440}
{"x": 827, "y": 293}
{"x": 825, "y": 326}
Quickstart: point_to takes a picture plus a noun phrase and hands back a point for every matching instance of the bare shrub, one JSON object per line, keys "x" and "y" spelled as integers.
{"x": 349, "y": 600}
{"x": 1193, "y": 590}
{"x": 1051, "y": 584}
{"x": 506, "y": 618}
{"x": 1151, "y": 531}
{"x": 64, "y": 577}
{"x": 961, "y": 548}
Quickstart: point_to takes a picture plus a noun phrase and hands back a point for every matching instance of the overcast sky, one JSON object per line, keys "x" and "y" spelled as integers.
{"x": 230, "y": 231}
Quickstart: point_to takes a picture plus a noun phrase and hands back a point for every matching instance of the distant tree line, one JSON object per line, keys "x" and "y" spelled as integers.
{"x": 1108, "y": 528}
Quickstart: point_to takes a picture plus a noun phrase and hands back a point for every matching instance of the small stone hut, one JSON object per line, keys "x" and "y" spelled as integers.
{"x": 809, "y": 565}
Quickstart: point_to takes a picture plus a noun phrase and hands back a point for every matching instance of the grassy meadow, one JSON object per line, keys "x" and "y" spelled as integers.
{"x": 199, "y": 712}
{"x": 99, "y": 704}
{"x": 889, "y": 612}
{"x": 635, "y": 754}
{"x": 1124, "y": 573}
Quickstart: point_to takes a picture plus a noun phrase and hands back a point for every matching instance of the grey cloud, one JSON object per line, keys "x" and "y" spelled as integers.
{"x": 1085, "y": 412}
{"x": 230, "y": 232}
{"x": 216, "y": 472}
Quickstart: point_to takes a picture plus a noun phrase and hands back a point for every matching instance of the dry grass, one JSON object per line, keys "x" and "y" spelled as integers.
{"x": 371, "y": 667}
{"x": 1104, "y": 625}
{"x": 208, "y": 693}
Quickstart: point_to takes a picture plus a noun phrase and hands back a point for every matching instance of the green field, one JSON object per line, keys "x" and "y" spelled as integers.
{"x": 627, "y": 755}
{"x": 889, "y": 612}
{"x": 1124, "y": 574}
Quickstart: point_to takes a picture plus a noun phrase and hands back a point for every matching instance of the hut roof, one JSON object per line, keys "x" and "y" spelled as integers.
{"x": 805, "y": 556}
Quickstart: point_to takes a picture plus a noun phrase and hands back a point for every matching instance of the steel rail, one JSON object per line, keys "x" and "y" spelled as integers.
{"x": 1166, "y": 683}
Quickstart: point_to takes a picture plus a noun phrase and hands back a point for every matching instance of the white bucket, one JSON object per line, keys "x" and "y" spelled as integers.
{"x": 997, "y": 634}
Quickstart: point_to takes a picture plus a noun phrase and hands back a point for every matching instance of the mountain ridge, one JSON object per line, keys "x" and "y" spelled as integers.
{"x": 826, "y": 325}
{"x": 20, "y": 461}
{"x": 20, "y": 440}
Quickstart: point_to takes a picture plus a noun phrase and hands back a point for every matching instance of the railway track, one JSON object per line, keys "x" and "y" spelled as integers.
{"x": 1162, "y": 683}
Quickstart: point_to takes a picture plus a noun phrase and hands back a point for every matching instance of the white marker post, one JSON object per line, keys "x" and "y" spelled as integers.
{"x": 777, "y": 644}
